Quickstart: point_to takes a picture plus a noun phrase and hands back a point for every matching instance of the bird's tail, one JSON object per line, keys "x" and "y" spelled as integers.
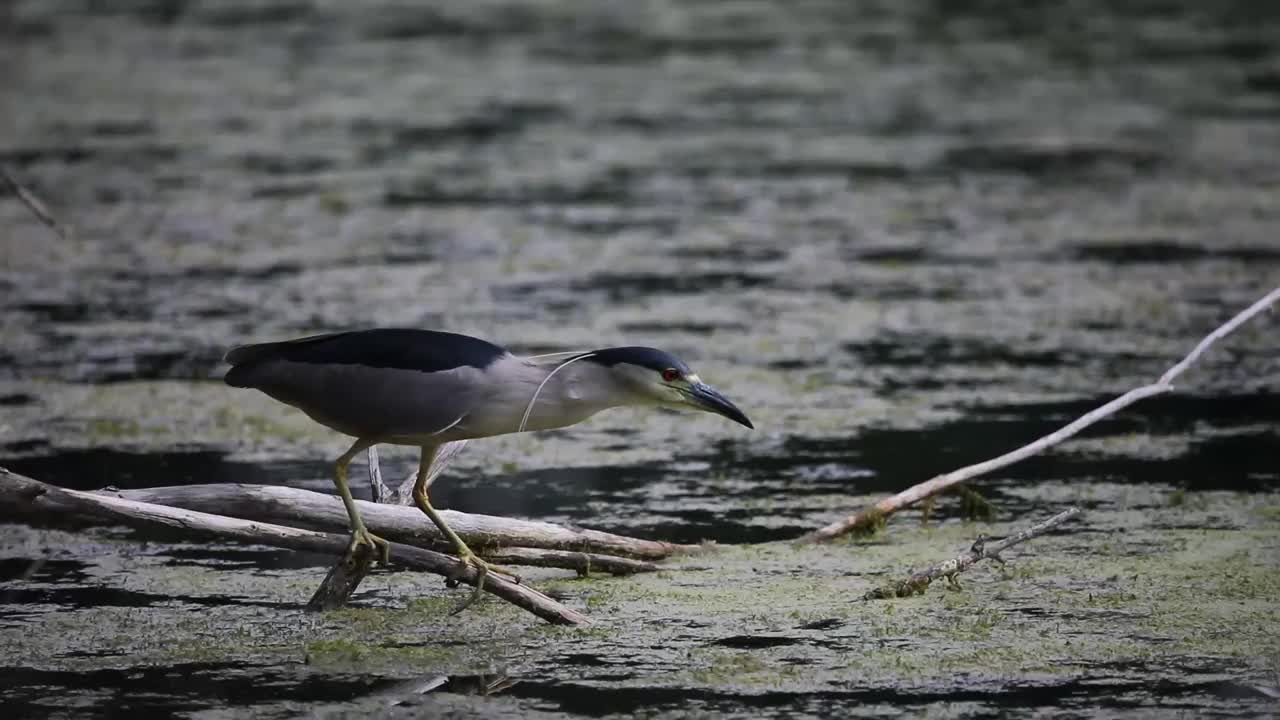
{"x": 245, "y": 360}
{"x": 240, "y": 376}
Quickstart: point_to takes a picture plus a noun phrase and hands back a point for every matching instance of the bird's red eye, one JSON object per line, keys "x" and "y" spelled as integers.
{"x": 670, "y": 374}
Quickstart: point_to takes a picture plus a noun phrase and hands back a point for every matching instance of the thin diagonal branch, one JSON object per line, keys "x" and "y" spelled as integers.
{"x": 919, "y": 582}
{"x": 36, "y": 207}
{"x": 403, "y": 494}
{"x": 1225, "y": 329}
{"x": 874, "y": 515}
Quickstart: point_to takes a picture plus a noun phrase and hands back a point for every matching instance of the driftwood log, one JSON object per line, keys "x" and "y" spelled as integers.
{"x": 485, "y": 534}
{"x": 31, "y": 501}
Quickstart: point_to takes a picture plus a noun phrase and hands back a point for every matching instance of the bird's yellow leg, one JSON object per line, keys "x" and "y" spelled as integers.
{"x": 464, "y": 553}
{"x": 360, "y": 534}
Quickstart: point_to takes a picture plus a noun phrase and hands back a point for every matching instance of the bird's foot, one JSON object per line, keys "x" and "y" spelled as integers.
{"x": 483, "y": 570}
{"x": 381, "y": 548}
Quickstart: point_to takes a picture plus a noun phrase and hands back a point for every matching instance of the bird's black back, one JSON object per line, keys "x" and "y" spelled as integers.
{"x": 398, "y": 348}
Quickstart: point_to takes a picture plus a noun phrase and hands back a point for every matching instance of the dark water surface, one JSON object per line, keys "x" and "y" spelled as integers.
{"x": 903, "y": 236}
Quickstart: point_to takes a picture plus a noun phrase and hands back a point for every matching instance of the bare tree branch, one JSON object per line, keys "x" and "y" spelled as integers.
{"x": 484, "y": 533}
{"x": 26, "y": 500}
{"x": 919, "y": 582}
{"x": 874, "y": 515}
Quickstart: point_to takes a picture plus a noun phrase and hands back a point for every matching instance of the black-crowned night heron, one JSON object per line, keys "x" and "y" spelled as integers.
{"x": 426, "y": 388}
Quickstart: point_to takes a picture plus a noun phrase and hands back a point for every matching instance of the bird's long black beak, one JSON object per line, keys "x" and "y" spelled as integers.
{"x": 705, "y": 397}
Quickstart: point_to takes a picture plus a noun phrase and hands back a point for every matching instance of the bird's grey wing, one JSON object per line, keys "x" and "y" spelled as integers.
{"x": 385, "y": 403}
{"x": 371, "y": 383}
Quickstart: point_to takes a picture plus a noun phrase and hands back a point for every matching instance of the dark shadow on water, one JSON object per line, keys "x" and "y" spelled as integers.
{"x": 160, "y": 691}
{"x": 888, "y": 350}
{"x": 489, "y": 123}
{"x": 628, "y": 287}
{"x": 1123, "y": 690}
{"x": 190, "y": 687}
{"x": 42, "y": 571}
{"x": 1165, "y": 414}
{"x": 620, "y": 287}
{"x": 87, "y": 596}
{"x": 1165, "y": 251}
{"x": 156, "y": 364}
{"x": 16, "y": 400}
{"x": 96, "y": 468}
{"x": 120, "y": 154}
{"x": 690, "y": 327}
{"x": 902, "y": 289}
{"x": 737, "y": 253}
{"x": 755, "y": 642}
{"x": 1075, "y": 160}
{"x": 611, "y": 188}
{"x": 232, "y": 557}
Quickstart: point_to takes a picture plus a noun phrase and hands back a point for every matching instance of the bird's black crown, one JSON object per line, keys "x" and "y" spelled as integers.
{"x": 645, "y": 357}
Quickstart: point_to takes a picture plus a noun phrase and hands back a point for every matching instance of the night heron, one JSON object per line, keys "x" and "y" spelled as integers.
{"x": 426, "y": 388}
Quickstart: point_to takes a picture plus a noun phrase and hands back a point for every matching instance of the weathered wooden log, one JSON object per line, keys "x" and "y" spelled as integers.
{"x": 23, "y": 499}
{"x": 483, "y": 533}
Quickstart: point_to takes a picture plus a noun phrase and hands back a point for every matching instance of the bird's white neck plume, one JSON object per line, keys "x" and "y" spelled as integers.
{"x": 566, "y": 393}
{"x": 524, "y": 421}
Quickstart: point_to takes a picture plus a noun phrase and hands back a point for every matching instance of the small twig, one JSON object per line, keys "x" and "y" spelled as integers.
{"x": 403, "y": 495}
{"x": 919, "y": 582}
{"x": 23, "y": 499}
{"x": 583, "y": 563}
{"x": 874, "y": 515}
{"x": 36, "y": 207}
{"x": 380, "y": 492}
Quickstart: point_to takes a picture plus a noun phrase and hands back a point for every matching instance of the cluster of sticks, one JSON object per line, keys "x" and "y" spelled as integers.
{"x": 303, "y": 520}
{"x": 298, "y": 519}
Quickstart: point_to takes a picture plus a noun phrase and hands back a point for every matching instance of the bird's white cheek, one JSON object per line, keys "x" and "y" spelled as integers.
{"x": 675, "y": 397}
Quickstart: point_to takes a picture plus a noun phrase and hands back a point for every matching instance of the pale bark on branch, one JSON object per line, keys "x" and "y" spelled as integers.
{"x": 510, "y": 554}
{"x": 26, "y": 500}
{"x": 874, "y": 515}
{"x": 483, "y": 533}
{"x": 402, "y": 494}
{"x": 919, "y": 582}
